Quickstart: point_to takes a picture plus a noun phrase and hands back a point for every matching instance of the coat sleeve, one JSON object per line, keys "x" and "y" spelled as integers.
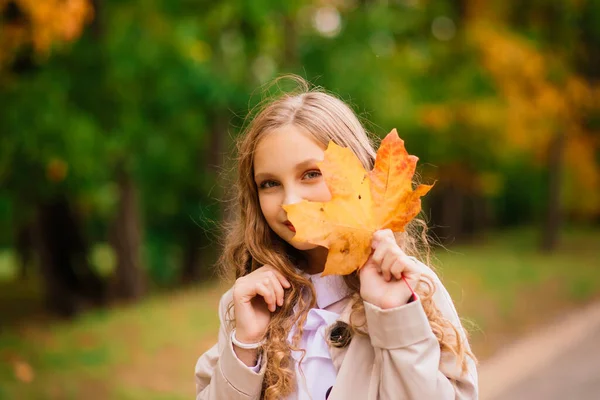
{"x": 220, "y": 375}
{"x": 412, "y": 365}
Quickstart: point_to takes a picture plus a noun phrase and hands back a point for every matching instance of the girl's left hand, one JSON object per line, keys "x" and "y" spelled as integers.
{"x": 381, "y": 282}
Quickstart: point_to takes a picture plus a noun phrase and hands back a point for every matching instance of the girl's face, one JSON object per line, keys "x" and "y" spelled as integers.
{"x": 286, "y": 172}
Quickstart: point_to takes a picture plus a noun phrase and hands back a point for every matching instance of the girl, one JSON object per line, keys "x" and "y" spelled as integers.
{"x": 288, "y": 333}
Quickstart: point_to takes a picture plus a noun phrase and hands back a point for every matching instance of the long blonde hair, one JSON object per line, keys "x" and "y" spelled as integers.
{"x": 250, "y": 242}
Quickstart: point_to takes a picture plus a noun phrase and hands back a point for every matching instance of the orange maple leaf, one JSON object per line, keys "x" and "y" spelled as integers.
{"x": 361, "y": 204}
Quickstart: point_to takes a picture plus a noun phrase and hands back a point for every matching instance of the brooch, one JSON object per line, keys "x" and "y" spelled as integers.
{"x": 340, "y": 335}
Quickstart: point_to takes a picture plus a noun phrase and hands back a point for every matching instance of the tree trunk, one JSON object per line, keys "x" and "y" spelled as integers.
{"x": 24, "y": 246}
{"x": 216, "y": 145}
{"x": 457, "y": 214}
{"x": 126, "y": 241}
{"x": 552, "y": 218}
{"x": 193, "y": 256}
{"x": 196, "y": 263}
{"x": 96, "y": 25}
{"x": 68, "y": 280}
{"x": 446, "y": 205}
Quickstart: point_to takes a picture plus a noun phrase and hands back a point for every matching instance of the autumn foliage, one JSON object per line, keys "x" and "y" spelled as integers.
{"x": 40, "y": 24}
{"x": 361, "y": 203}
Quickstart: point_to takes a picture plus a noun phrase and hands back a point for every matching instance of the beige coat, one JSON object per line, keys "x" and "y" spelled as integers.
{"x": 400, "y": 359}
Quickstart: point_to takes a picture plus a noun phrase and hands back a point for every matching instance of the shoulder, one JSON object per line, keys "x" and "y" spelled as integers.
{"x": 226, "y": 306}
{"x": 226, "y": 298}
{"x": 428, "y": 272}
{"x": 441, "y": 297}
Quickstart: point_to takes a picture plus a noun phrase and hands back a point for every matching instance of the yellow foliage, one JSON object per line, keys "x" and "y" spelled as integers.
{"x": 46, "y": 22}
{"x": 23, "y": 371}
{"x": 436, "y": 117}
{"x": 535, "y": 106}
{"x": 481, "y": 115}
{"x": 579, "y": 91}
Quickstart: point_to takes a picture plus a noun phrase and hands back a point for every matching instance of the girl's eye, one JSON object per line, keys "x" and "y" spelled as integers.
{"x": 312, "y": 174}
{"x": 267, "y": 184}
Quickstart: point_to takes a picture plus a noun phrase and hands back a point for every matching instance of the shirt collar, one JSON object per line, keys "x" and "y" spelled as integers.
{"x": 330, "y": 289}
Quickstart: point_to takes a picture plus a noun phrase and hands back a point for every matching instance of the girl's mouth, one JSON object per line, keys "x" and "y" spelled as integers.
{"x": 290, "y": 226}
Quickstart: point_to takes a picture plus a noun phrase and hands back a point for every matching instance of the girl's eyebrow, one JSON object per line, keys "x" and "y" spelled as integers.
{"x": 301, "y": 165}
{"x": 307, "y": 163}
{"x": 262, "y": 176}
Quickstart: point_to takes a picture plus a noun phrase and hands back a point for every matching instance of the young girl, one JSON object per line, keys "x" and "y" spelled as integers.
{"x": 288, "y": 333}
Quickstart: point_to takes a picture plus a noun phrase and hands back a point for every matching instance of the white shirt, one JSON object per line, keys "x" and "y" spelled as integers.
{"x": 317, "y": 373}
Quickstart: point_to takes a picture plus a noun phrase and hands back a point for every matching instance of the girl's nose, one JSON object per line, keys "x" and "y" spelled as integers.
{"x": 291, "y": 197}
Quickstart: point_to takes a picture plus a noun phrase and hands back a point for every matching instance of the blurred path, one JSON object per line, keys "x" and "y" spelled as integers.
{"x": 560, "y": 362}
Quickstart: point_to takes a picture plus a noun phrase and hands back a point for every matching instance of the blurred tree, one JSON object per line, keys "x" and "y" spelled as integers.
{"x": 548, "y": 93}
{"x": 31, "y": 28}
{"x": 123, "y": 131}
{"x": 32, "y": 170}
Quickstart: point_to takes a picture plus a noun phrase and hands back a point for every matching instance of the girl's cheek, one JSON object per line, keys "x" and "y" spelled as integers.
{"x": 266, "y": 205}
{"x": 323, "y": 192}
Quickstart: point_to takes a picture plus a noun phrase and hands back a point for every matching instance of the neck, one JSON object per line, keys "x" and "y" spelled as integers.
{"x": 315, "y": 260}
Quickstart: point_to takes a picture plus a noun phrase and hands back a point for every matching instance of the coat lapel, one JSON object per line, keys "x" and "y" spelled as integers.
{"x": 357, "y": 376}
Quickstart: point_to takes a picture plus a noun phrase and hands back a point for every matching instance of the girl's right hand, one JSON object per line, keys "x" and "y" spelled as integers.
{"x": 255, "y": 297}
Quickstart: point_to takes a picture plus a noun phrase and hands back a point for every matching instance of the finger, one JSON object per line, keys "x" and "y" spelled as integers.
{"x": 269, "y": 284}
{"x": 374, "y": 242}
{"x": 397, "y": 268}
{"x": 384, "y": 235}
{"x": 282, "y": 279}
{"x": 412, "y": 273}
{"x": 386, "y": 265}
{"x": 411, "y": 266}
{"x": 277, "y": 288}
{"x": 264, "y": 289}
{"x": 379, "y": 253}
{"x": 383, "y": 238}
{"x": 245, "y": 289}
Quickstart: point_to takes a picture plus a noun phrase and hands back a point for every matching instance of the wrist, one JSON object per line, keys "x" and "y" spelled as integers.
{"x": 246, "y": 351}
{"x": 387, "y": 303}
{"x": 244, "y": 343}
{"x": 247, "y": 356}
{"x": 246, "y": 338}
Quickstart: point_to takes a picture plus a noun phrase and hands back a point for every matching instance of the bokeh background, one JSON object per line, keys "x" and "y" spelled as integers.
{"x": 117, "y": 122}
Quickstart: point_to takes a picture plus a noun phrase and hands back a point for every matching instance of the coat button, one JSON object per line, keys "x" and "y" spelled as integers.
{"x": 340, "y": 335}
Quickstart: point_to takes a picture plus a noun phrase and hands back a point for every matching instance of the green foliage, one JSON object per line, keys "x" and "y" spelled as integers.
{"x": 145, "y": 86}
